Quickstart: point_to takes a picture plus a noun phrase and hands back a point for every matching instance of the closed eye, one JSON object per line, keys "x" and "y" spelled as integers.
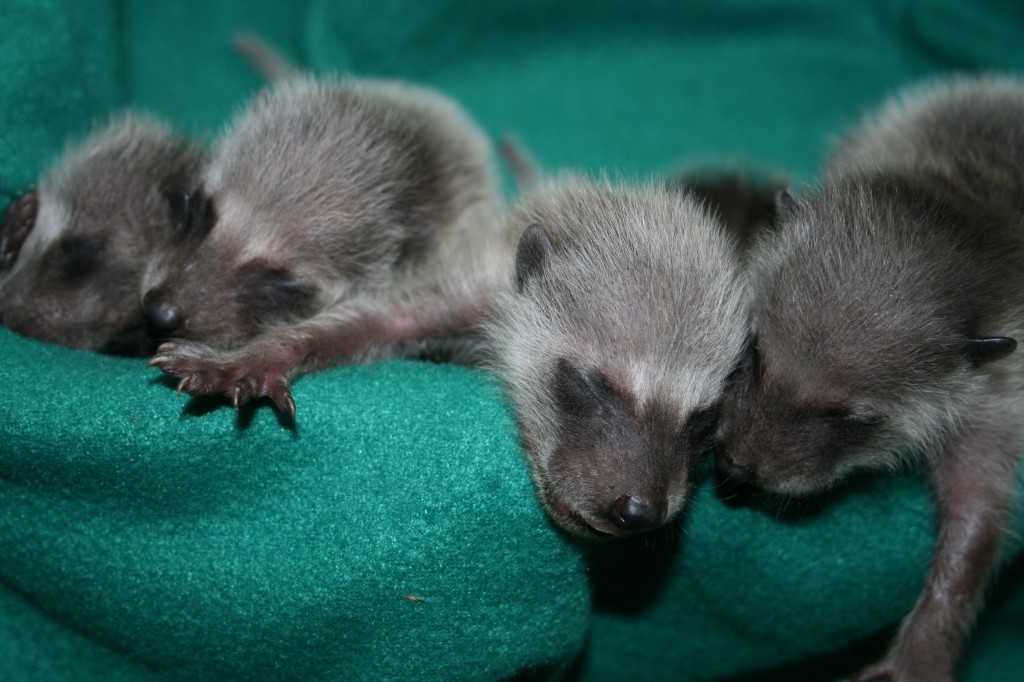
{"x": 272, "y": 293}
{"x": 80, "y": 256}
{"x": 701, "y": 426}
{"x": 846, "y": 416}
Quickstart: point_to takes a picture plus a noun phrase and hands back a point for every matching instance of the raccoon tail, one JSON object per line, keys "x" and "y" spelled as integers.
{"x": 520, "y": 161}
{"x": 262, "y": 57}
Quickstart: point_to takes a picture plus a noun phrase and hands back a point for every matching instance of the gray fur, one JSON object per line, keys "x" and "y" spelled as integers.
{"x": 742, "y": 200}
{"x": 345, "y": 185}
{"x": 867, "y": 304}
{"x": 102, "y": 215}
{"x": 640, "y": 293}
{"x": 336, "y": 201}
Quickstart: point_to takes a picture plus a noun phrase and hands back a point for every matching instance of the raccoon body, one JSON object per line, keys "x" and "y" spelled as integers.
{"x": 886, "y": 312}
{"x": 330, "y": 201}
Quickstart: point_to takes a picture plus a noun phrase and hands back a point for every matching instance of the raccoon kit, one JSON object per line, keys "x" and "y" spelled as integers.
{"x": 626, "y": 315}
{"x": 335, "y": 212}
{"x": 885, "y": 321}
{"x": 73, "y": 251}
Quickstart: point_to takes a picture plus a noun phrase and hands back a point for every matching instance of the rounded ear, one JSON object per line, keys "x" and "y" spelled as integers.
{"x": 786, "y": 206}
{"x": 200, "y": 214}
{"x": 985, "y": 349}
{"x": 191, "y": 212}
{"x": 531, "y": 254}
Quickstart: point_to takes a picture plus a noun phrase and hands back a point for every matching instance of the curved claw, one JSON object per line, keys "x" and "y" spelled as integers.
{"x": 283, "y": 401}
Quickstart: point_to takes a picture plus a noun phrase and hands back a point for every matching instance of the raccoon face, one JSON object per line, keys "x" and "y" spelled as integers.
{"x": 73, "y": 252}
{"x": 617, "y": 467}
{"x": 615, "y": 347}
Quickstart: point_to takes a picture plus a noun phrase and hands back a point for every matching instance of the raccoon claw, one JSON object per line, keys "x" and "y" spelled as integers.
{"x": 281, "y": 396}
{"x": 238, "y": 376}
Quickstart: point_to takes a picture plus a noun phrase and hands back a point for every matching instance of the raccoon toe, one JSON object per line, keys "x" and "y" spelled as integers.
{"x": 280, "y": 394}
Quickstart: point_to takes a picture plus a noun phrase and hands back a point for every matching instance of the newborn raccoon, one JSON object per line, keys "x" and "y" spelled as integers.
{"x": 627, "y": 315}
{"x": 73, "y": 251}
{"x": 886, "y": 312}
{"x": 336, "y": 208}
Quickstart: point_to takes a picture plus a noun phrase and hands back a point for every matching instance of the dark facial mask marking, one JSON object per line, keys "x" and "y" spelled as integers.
{"x": 700, "y": 428}
{"x": 192, "y": 212}
{"x": 79, "y": 257}
{"x": 269, "y": 292}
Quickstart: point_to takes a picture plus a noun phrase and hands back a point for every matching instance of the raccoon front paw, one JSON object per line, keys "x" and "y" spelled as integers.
{"x": 239, "y": 376}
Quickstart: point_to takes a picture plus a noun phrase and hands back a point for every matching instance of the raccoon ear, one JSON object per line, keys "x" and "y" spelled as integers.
{"x": 786, "y": 205}
{"x": 985, "y": 349}
{"x": 531, "y": 254}
{"x": 191, "y": 211}
{"x": 201, "y": 214}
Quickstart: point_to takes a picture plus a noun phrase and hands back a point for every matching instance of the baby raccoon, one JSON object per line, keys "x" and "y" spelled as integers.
{"x": 885, "y": 317}
{"x": 626, "y": 316}
{"x": 333, "y": 210}
{"x": 73, "y": 251}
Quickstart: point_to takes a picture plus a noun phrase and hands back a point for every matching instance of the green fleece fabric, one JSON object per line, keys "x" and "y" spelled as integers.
{"x": 394, "y": 534}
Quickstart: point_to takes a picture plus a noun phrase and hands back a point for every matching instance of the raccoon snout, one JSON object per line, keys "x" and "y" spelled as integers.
{"x": 634, "y": 515}
{"x": 162, "y": 318}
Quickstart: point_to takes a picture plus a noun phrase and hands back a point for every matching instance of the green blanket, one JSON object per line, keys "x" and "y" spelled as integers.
{"x": 394, "y": 534}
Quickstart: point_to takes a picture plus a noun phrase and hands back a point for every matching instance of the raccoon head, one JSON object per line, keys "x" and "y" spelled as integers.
{"x": 72, "y": 253}
{"x": 217, "y": 288}
{"x": 627, "y": 315}
{"x": 868, "y": 344}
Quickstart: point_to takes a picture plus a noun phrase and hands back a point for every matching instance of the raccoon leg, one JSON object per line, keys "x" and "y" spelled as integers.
{"x": 341, "y": 335}
{"x": 974, "y": 483}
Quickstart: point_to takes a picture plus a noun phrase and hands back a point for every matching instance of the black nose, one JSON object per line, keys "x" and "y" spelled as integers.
{"x": 631, "y": 513}
{"x": 161, "y": 317}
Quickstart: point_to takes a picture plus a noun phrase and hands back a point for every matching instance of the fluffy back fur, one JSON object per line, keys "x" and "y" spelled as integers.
{"x": 321, "y": 190}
